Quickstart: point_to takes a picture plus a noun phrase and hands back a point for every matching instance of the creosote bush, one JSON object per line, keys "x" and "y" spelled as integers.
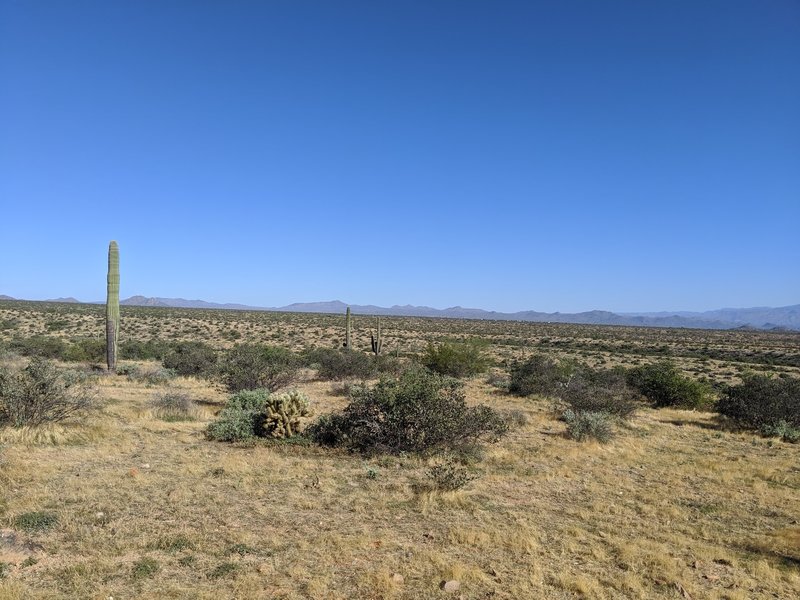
{"x": 334, "y": 364}
{"x": 600, "y": 391}
{"x": 770, "y": 405}
{"x": 42, "y": 393}
{"x": 456, "y": 359}
{"x": 539, "y": 375}
{"x": 254, "y": 366}
{"x": 420, "y": 412}
{"x": 663, "y": 385}
{"x": 196, "y": 359}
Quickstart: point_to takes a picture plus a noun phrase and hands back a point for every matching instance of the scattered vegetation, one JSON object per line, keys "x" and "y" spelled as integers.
{"x": 583, "y": 425}
{"x": 36, "y": 521}
{"x": 334, "y": 364}
{"x": 449, "y": 475}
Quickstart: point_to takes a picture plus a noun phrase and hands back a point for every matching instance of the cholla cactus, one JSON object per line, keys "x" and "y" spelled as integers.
{"x": 283, "y": 414}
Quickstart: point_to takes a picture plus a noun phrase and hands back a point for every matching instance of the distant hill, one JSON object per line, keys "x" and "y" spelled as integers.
{"x": 764, "y": 318}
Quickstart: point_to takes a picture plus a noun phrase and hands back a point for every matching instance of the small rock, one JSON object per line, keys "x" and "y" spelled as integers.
{"x": 451, "y": 586}
{"x": 146, "y": 466}
{"x": 133, "y": 472}
{"x": 99, "y": 515}
{"x": 398, "y": 579}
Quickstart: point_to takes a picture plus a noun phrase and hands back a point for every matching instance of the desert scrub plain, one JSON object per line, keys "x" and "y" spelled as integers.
{"x": 132, "y": 500}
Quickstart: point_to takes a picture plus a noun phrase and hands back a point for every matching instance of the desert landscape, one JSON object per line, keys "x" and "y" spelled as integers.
{"x": 127, "y": 501}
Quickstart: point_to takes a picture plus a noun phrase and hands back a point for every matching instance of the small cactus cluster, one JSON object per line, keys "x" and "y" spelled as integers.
{"x": 283, "y": 414}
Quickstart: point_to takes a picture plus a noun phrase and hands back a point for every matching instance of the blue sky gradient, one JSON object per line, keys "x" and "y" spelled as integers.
{"x": 504, "y": 155}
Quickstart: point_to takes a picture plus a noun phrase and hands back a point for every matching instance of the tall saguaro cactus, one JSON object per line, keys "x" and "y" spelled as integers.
{"x": 112, "y": 306}
{"x": 377, "y": 342}
{"x": 348, "y": 331}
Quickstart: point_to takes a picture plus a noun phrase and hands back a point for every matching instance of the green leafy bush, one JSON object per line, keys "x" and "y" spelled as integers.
{"x": 771, "y": 405}
{"x": 598, "y": 391}
{"x": 539, "y": 375}
{"x": 456, "y": 359}
{"x": 254, "y": 366}
{"x": 41, "y": 393}
{"x": 196, "y": 359}
{"x": 153, "y": 349}
{"x": 418, "y": 412}
{"x": 86, "y": 350}
{"x": 41, "y": 346}
{"x": 334, "y": 364}
{"x": 239, "y": 419}
{"x": 664, "y": 385}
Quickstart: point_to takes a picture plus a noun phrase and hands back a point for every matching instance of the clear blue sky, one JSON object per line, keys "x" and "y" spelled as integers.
{"x": 504, "y": 155}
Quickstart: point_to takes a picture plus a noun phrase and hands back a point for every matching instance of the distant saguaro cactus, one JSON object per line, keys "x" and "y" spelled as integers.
{"x": 112, "y": 306}
{"x": 348, "y": 331}
{"x": 377, "y": 342}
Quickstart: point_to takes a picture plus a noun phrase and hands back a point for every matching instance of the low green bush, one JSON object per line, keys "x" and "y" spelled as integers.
{"x": 86, "y": 350}
{"x": 449, "y": 475}
{"x": 420, "y": 412}
{"x": 254, "y": 366}
{"x": 664, "y": 385}
{"x": 770, "y": 405}
{"x": 540, "y": 375}
{"x": 455, "y": 359}
{"x": 599, "y": 391}
{"x": 334, "y": 364}
{"x": 196, "y": 359}
{"x": 41, "y": 346}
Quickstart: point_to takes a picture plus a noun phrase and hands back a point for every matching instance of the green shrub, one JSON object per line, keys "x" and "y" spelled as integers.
{"x": 456, "y": 359}
{"x": 152, "y": 375}
{"x": 238, "y": 421}
{"x": 41, "y": 393}
{"x": 418, "y": 412}
{"x": 253, "y": 366}
{"x": 334, "y": 364}
{"x": 588, "y": 424}
{"x": 771, "y": 405}
{"x": 41, "y": 346}
{"x": 664, "y": 385}
{"x": 153, "y": 349}
{"x": 192, "y": 358}
{"x": 539, "y": 375}
{"x": 600, "y": 391}
{"x": 86, "y": 350}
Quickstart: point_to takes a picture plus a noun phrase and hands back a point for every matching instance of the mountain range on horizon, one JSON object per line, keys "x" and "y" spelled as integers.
{"x": 767, "y": 318}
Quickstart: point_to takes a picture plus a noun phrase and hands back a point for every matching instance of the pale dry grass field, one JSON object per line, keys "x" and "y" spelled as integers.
{"x": 673, "y": 507}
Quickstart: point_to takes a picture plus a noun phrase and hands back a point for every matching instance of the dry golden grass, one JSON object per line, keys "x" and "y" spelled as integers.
{"x": 671, "y": 508}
